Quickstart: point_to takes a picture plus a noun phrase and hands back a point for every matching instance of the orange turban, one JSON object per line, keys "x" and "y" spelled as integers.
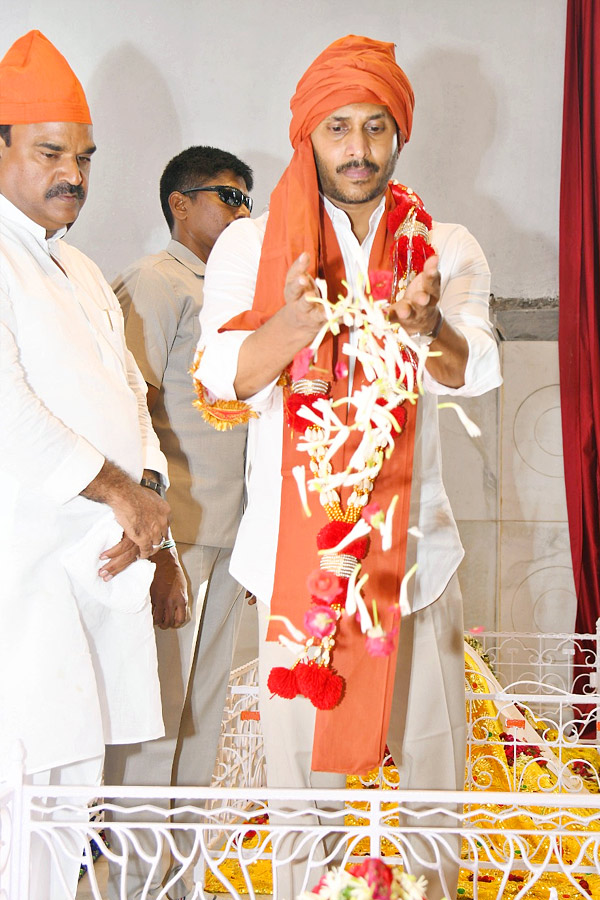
{"x": 37, "y": 84}
{"x": 351, "y": 70}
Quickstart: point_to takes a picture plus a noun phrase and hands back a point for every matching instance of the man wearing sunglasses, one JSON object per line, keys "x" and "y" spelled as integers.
{"x": 202, "y": 190}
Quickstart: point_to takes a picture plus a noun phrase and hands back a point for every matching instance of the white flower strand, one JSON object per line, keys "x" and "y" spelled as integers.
{"x": 360, "y": 530}
{"x": 471, "y": 428}
{"x": 299, "y": 474}
{"x": 390, "y": 376}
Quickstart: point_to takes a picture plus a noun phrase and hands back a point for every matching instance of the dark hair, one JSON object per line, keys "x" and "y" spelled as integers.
{"x": 192, "y": 167}
{"x": 5, "y": 134}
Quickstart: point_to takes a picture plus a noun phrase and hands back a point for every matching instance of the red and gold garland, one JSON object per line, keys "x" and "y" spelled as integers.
{"x": 313, "y": 675}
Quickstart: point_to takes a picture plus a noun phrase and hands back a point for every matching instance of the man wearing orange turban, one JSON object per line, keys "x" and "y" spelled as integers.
{"x": 74, "y": 442}
{"x": 335, "y": 215}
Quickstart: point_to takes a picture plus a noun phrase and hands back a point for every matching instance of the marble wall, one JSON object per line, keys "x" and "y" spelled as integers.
{"x": 507, "y": 492}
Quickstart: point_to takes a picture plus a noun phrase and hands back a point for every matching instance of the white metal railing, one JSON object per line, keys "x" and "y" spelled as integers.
{"x": 530, "y": 828}
{"x": 545, "y": 660}
{"x": 546, "y": 835}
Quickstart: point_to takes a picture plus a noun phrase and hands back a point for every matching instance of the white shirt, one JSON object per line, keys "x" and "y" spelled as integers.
{"x": 229, "y": 289}
{"x": 77, "y": 662}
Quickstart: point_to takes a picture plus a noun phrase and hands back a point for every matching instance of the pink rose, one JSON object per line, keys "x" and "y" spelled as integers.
{"x": 377, "y": 875}
{"x": 320, "y": 621}
{"x": 380, "y": 642}
{"x": 373, "y": 514}
{"x": 323, "y": 585}
{"x": 301, "y": 364}
{"x": 381, "y": 284}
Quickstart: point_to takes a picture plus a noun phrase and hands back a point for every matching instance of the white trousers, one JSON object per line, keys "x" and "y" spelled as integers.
{"x": 56, "y": 879}
{"x": 194, "y": 664}
{"x": 427, "y": 733}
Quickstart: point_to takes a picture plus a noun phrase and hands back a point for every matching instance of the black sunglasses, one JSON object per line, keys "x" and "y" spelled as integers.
{"x": 232, "y": 196}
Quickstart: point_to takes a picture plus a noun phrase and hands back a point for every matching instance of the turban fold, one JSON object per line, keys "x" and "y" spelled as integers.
{"x": 351, "y": 70}
{"x": 37, "y": 84}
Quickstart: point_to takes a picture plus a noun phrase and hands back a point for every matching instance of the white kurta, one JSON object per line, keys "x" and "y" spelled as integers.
{"x": 77, "y": 655}
{"x": 229, "y": 290}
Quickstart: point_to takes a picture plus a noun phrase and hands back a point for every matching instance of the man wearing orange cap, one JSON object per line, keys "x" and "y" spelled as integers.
{"x": 77, "y": 653}
{"x": 334, "y": 215}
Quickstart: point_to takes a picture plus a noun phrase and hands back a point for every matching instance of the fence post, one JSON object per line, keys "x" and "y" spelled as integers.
{"x": 19, "y": 835}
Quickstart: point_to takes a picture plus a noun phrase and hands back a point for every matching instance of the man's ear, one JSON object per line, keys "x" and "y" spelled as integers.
{"x": 178, "y": 204}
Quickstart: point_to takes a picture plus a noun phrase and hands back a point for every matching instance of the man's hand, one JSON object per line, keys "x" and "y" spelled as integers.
{"x": 168, "y": 591}
{"x": 418, "y": 312}
{"x": 119, "y": 557}
{"x": 302, "y": 314}
{"x": 142, "y": 514}
{"x": 267, "y": 351}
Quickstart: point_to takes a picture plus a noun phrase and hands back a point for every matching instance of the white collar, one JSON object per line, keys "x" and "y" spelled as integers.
{"x": 18, "y": 218}
{"x": 342, "y": 219}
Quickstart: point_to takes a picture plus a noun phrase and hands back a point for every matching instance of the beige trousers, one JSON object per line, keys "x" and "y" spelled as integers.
{"x": 427, "y": 732}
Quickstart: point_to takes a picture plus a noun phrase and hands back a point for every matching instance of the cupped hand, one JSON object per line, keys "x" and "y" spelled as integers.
{"x": 418, "y": 312}
{"x": 302, "y": 311}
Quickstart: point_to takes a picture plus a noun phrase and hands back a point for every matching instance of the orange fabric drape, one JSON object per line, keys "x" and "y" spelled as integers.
{"x": 369, "y": 681}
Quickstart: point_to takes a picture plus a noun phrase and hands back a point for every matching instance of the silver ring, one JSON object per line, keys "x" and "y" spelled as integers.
{"x": 165, "y": 544}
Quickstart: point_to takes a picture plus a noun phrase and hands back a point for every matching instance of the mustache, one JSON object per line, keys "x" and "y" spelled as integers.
{"x": 358, "y": 164}
{"x": 64, "y": 187}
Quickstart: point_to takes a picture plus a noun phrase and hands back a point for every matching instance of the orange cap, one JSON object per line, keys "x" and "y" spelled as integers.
{"x": 37, "y": 84}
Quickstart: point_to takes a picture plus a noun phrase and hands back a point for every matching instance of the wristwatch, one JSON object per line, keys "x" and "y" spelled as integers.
{"x": 424, "y": 340}
{"x": 154, "y": 486}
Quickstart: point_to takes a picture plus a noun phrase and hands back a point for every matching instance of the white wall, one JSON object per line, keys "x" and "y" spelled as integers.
{"x": 160, "y": 76}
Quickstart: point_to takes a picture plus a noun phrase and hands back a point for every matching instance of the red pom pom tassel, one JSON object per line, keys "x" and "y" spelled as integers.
{"x": 334, "y": 532}
{"x": 323, "y": 687}
{"x": 283, "y": 682}
{"x": 293, "y": 403}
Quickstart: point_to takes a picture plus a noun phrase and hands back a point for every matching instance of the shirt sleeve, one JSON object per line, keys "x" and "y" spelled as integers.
{"x": 36, "y": 447}
{"x": 464, "y": 299}
{"x": 154, "y": 458}
{"x": 229, "y": 285}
